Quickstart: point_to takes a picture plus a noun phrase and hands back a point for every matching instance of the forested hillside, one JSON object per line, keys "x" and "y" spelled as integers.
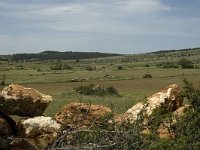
{"x": 49, "y": 55}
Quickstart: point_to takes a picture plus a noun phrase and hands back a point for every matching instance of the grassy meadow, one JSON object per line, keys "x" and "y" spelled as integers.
{"x": 125, "y": 73}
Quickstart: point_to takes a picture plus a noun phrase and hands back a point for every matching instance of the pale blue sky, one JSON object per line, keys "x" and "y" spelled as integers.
{"x": 118, "y": 26}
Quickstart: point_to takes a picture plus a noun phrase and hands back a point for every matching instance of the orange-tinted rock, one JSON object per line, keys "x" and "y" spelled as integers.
{"x": 164, "y": 133}
{"x": 131, "y": 115}
{"x": 168, "y": 98}
{"x": 79, "y": 115}
{"x": 21, "y": 101}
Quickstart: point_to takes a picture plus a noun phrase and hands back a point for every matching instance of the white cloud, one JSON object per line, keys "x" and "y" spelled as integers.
{"x": 141, "y": 6}
{"x": 61, "y": 9}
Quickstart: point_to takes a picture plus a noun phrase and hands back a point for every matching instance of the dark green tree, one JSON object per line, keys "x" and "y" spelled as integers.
{"x": 185, "y": 63}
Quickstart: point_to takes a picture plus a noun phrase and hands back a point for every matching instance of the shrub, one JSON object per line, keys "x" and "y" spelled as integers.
{"x": 3, "y": 82}
{"x": 147, "y": 76}
{"x": 120, "y": 68}
{"x": 170, "y": 65}
{"x": 57, "y": 66}
{"x": 146, "y": 65}
{"x": 104, "y": 135}
{"x": 39, "y": 70}
{"x": 192, "y": 95}
{"x": 20, "y": 67}
{"x": 185, "y": 63}
{"x": 186, "y": 129}
{"x": 66, "y": 66}
{"x": 89, "y": 68}
{"x": 61, "y": 66}
{"x": 167, "y": 65}
{"x": 97, "y": 90}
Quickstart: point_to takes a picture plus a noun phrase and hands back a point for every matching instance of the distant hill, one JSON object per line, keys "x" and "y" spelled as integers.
{"x": 180, "y": 50}
{"x": 50, "y": 55}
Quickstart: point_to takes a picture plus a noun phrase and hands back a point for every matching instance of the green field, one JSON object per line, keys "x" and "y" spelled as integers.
{"x": 128, "y": 80}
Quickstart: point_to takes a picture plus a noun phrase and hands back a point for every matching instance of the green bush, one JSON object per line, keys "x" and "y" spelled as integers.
{"x": 147, "y": 76}
{"x": 167, "y": 65}
{"x": 186, "y": 129}
{"x": 3, "y": 82}
{"x": 57, "y": 66}
{"x": 66, "y": 66}
{"x": 107, "y": 135}
{"x": 89, "y": 68}
{"x": 185, "y": 63}
{"x": 60, "y": 66}
{"x": 120, "y": 68}
{"x": 97, "y": 90}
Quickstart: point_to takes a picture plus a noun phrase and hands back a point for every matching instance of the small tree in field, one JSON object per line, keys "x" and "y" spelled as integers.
{"x": 185, "y": 63}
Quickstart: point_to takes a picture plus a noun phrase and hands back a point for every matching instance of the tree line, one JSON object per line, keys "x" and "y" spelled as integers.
{"x": 50, "y": 55}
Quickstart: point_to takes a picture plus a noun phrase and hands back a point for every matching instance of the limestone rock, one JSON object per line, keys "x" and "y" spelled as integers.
{"x": 131, "y": 115}
{"x": 40, "y": 130}
{"x": 21, "y": 101}
{"x": 164, "y": 128}
{"x": 79, "y": 115}
{"x": 165, "y": 133}
{"x": 167, "y": 98}
{"x": 179, "y": 113}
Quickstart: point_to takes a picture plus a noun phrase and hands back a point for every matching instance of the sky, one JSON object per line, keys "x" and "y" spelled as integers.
{"x": 114, "y": 26}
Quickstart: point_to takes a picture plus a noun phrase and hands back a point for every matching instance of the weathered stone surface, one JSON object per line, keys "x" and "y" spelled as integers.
{"x": 79, "y": 115}
{"x": 131, "y": 115}
{"x": 164, "y": 128}
{"x": 167, "y": 98}
{"x": 181, "y": 111}
{"x": 22, "y": 144}
{"x": 21, "y": 101}
{"x": 164, "y": 132}
{"x": 40, "y": 130}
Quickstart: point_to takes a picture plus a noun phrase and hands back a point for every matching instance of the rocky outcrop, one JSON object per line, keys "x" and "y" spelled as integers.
{"x": 168, "y": 98}
{"x": 181, "y": 111}
{"x": 32, "y": 133}
{"x": 21, "y": 101}
{"x": 42, "y": 131}
{"x": 164, "y": 130}
{"x": 79, "y": 115}
{"x": 131, "y": 115}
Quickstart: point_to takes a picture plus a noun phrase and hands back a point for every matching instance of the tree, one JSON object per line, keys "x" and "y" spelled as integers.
{"x": 185, "y": 63}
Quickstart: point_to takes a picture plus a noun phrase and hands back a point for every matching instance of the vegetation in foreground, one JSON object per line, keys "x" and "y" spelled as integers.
{"x": 110, "y": 135}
